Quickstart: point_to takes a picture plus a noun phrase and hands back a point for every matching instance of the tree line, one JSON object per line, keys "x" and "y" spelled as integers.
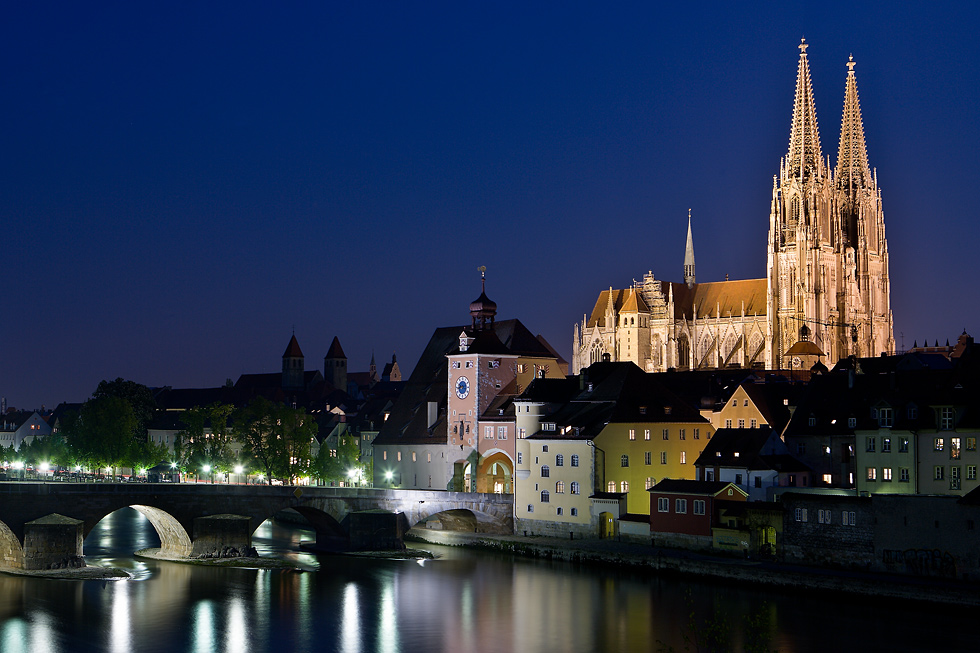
{"x": 264, "y": 438}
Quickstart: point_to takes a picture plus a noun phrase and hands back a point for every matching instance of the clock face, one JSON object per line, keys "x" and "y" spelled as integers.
{"x": 462, "y": 387}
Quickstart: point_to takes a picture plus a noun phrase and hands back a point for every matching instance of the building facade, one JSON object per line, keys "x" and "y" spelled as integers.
{"x": 827, "y": 278}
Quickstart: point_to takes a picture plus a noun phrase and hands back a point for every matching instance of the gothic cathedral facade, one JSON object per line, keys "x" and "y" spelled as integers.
{"x": 827, "y": 276}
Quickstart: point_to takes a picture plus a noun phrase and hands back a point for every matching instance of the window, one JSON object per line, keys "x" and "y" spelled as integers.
{"x": 946, "y": 418}
{"x": 574, "y": 512}
{"x": 611, "y": 486}
{"x": 758, "y": 481}
{"x": 683, "y": 457}
{"x": 828, "y": 479}
{"x": 666, "y": 434}
{"x": 852, "y": 422}
{"x": 738, "y": 479}
{"x": 913, "y": 412}
{"x": 801, "y": 448}
{"x": 741, "y": 423}
{"x": 545, "y": 471}
{"x": 647, "y": 457}
{"x": 384, "y": 455}
{"x": 624, "y": 486}
{"x": 800, "y": 514}
{"x": 709, "y": 474}
{"x": 728, "y": 423}
{"x": 469, "y": 364}
{"x": 680, "y": 506}
{"x": 413, "y": 457}
{"x": 699, "y": 506}
{"x": 971, "y": 472}
{"x": 872, "y": 473}
{"x": 574, "y": 460}
{"x": 663, "y": 504}
{"x": 848, "y": 518}
{"x": 886, "y": 445}
{"x": 812, "y": 421}
{"x": 646, "y": 434}
{"x": 428, "y": 457}
{"x": 903, "y": 475}
{"x": 938, "y": 473}
{"x": 488, "y": 433}
{"x": 869, "y": 444}
{"x": 574, "y": 487}
{"x": 545, "y": 497}
{"x": 399, "y": 456}
{"x": 663, "y": 457}
{"x": 903, "y": 445}
{"x": 559, "y": 460}
{"x": 632, "y": 434}
{"x": 624, "y": 461}
{"x": 937, "y": 444}
{"x": 697, "y": 434}
{"x": 544, "y": 448}
{"x": 520, "y": 458}
{"x": 954, "y": 448}
{"x": 885, "y": 418}
{"x": 560, "y": 487}
{"x": 455, "y": 365}
{"x": 886, "y": 474}
{"x": 971, "y": 444}
{"x": 824, "y": 516}
{"x": 682, "y": 434}
{"x": 559, "y": 511}
{"x": 753, "y": 423}
{"x": 649, "y": 483}
{"x": 501, "y": 432}
{"x": 530, "y": 507}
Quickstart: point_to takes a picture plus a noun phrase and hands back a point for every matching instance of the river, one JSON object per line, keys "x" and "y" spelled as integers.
{"x": 462, "y": 601}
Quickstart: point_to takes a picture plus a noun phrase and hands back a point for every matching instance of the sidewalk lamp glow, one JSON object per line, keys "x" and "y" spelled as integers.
{"x": 389, "y": 476}
{"x": 173, "y": 465}
{"x": 78, "y": 468}
{"x": 45, "y": 467}
{"x": 206, "y": 469}
{"x": 239, "y": 469}
{"x": 18, "y": 464}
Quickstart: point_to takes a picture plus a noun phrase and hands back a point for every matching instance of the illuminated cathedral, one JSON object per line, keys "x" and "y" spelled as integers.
{"x": 826, "y": 291}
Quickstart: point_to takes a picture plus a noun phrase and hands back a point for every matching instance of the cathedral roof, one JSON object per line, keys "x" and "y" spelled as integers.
{"x": 634, "y": 303}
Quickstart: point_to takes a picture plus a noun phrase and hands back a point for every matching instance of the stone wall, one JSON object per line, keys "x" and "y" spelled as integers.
{"x": 53, "y": 542}
{"x": 816, "y": 532}
{"x": 555, "y": 529}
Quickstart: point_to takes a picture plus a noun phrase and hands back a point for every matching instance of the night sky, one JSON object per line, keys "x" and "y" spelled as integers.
{"x": 183, "y": 185}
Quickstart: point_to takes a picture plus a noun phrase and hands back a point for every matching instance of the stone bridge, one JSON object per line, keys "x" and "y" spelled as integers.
{"x": 43, "y": 525}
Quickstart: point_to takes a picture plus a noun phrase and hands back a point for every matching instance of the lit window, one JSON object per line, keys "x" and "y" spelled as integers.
{"x": 624, "y": 461}
{"x": 384, "y": 455}
{"x": 680, "y": 506}
{"x": 872, "y": 473}
{"x": 971, "y": 444}
{"x": 632, "y": 434}
{"x": 413, "y": 457}
{"x": 954, "y": 448}
{"x": 903, "y": 445}
{"x": 649, "y": 483}
{"x": 545, "y": 498}
{"x": 646, "y": 434}
{"x": 521, "y": 433}
{"x": 663, "y": 504}
{"x": 560, "y": 487}
{"x": 611, "y": 486}
{"x": 683, "y": 457}
{"x": 624, "y": 486}
{"x": 428, "y": 457}
{"x": 545, "y": 472}
{"x": 574, "y": 460}
{"x": 886, "y": 474}
{"x": 575, "y": 487}
{"x": 699, "y": 506}
{"x": 399, "y": 455}
{"x": 937, "y": 444}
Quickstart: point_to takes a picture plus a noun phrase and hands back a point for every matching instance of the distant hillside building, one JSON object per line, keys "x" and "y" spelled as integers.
{"x": 827, "y": 278}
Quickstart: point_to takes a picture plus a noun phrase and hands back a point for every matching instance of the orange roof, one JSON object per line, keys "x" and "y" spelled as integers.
{"x": 292, "y": 349}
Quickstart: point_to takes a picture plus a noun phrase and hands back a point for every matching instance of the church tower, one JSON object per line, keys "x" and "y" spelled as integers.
{"x": 335, "y": 365}
{"x": 689, "y": 277}
{"x": 864, "y": 297}
{"x": 293, "y": 364}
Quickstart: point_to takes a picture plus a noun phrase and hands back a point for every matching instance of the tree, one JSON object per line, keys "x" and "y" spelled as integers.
{"x": 139, "y": 397}
{"x": 102, "y": 434}
{"x": 335, "y": 460}
{"x": 205, "y": 438}
{"x": 277, "y": 437}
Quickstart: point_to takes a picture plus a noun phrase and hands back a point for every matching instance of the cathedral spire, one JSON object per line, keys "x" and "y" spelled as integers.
{"x": 804, "y": 158}
{"x": 852, "y": 171}
{"x": 689, "y": 255}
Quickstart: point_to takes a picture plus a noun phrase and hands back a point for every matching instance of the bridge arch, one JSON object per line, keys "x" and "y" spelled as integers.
{"x": 174, "y": 540}
{"x": 11, "y": 552}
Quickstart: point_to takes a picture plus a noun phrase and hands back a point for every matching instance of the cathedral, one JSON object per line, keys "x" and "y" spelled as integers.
{"x": 826, "y": 290}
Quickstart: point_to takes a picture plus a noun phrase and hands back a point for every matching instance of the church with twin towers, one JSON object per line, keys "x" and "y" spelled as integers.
{"x": 826, "y": 294}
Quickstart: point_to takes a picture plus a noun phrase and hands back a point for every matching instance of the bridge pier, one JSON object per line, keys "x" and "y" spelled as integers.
{"x": 222, "y": 536}
{"x": 53, "y": 542}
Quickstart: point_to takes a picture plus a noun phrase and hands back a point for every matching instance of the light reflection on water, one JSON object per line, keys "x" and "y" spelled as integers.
{"x": 464, "y": 601}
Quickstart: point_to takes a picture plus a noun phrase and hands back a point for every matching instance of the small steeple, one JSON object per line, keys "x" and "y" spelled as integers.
{"x": 689, "y": 278}
{"x": 852, "y": 172}
{"x": 293, "y": 365}
{"x": 483, "y": 310}
{"x": 335, "y": 365}
{"x": 804, "y": 157}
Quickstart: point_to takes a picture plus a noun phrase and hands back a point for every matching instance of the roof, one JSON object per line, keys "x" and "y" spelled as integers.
{"x": 804, "y": 348}
{"x": 335, "y": 351}
{"x": 685, "y": 486}
{"x": 292, "y": 349}
{"x": 709, "y": 300}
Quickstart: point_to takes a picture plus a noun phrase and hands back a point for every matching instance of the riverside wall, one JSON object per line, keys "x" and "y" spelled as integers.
{"x": 679, "y": 563}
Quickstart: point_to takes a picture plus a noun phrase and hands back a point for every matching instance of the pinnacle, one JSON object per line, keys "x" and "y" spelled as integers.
{"x": 804, "y": 157}
{"x": 852, "y": 171}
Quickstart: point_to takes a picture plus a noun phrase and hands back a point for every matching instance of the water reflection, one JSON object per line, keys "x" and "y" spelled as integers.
{"x": 463, "y": 601}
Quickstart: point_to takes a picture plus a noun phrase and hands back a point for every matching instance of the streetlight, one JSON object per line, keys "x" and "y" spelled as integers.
{"x": 388, "y": 476}
{"x": 207, "y": 470}
{"x": 238, "y": 470}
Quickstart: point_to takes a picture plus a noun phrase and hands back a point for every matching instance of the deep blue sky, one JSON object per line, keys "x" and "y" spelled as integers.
{"x": 181, "y": 185}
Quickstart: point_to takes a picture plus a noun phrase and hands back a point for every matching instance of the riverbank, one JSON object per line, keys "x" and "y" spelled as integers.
{"x": 243, "y": 562}
{"x": 689, "y": 564}
{"x": 89, "y": 572}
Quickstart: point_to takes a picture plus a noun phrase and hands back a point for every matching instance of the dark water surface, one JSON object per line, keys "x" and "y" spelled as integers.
{"x": 463, "y": 601}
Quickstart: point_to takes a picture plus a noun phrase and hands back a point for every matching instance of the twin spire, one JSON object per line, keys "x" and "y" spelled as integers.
{"x": 804, "y": 157}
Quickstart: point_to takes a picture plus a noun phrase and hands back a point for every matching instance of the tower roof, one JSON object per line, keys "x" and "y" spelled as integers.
{"x": 804, "y": 157}
{"x": 483, "y": 310}
{"x": 689, "y": 277}
{"x": 852, "y": 172}
{"x": 336, "y": 351}
{"x": 292, "y": 349}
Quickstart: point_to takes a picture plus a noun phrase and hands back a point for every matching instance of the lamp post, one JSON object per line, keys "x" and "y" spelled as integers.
{"x": 207, "y": 470}
{"x": 238, "y": 471}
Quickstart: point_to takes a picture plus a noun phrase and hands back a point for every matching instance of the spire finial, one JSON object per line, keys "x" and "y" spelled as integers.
{"x": 803, "y": 46}
{"x": 483, "y": 276}
{"x": 850, "y": 64}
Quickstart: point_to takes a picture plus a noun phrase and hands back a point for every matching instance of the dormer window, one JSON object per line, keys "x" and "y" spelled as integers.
{"x": 885, "y": 418}
{"x": 464, "y": 341}
{"x": 667, "y": 410}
